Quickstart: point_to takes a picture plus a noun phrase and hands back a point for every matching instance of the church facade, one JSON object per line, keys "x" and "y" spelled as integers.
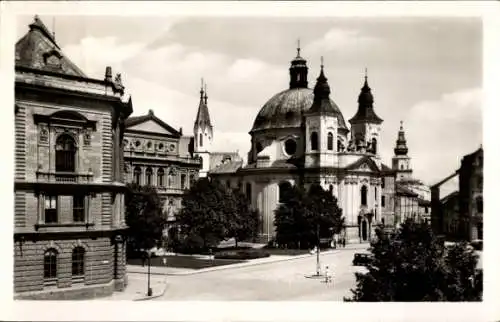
{"x": 300, "y": 137}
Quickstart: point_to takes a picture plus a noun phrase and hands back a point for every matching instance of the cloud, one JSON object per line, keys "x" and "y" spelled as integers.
{"x": 341, "y": 40}
{"x": 442, "y": 131}
{"x": 93, "y": 54}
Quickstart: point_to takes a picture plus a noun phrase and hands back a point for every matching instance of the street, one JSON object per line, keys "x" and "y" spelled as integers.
{"x": 284, "y": 280}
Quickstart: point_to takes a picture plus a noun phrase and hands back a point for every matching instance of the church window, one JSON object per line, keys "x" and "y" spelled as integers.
{"x": 160, "y": 175}
{"x": 374, "y": 146}
{"x": 383, "y": 201}
{"x": 149, "y": 175}
{"x": 383, "y": 183}
{"x": 314, "y": 141}
{"x": 364, "y": 195}
{"x": 201, "y": 139}
{"x": 330, "y": 141}
{"x": 285, "y": 189}
{"x": 290, "y": 147}
{"x": 137, "y": 175}
{"x": 65, "y": 153}
{"x": 339, "y": 146}
{"x": 402, "y": 167}
{"x": 376, "y": 192}
{"x": 191, "y": 180}
{"x": 330, "y": 189}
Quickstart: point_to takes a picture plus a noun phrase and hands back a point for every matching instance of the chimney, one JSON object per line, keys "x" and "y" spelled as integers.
{"x": 180, "y": 130}
{"x": 109, "y": 74}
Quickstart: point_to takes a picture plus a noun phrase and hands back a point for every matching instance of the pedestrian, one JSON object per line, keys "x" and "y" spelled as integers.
{"x": 327, "y": 275}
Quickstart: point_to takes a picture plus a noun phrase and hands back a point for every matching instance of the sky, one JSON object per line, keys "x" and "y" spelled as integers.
{"x": 426, "y": 72}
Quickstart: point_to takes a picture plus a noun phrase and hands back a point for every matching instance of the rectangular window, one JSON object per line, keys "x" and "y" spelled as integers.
{"x": 78, "y": 208}
{"x": 383, "y": 201}
{"x": 183, "y": 181}
{"x": 50, "y": 209}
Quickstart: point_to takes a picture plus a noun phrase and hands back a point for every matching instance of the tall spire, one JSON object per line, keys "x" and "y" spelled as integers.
{"x": 365, "y": 112}
{"x": 206, "y": 96}
{"x": 401, "y": 148}
{"x": 322, "y": 103}
{"x": 203, "y": 117}
{"x": 298, "y": 70}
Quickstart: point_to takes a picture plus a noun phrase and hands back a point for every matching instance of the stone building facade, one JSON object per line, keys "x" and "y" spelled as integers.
{"x": 459, "y": 216}
{"x": 69, "y": 191}
{"x": 158, "y": 155}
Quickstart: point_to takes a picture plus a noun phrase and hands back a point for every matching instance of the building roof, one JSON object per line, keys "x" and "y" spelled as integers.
{"x": 203, "y": 116}
{"x": 38, "y": 49}
{"x": 287, "y": 108}
{"x": 387, "y": 169}
{"x": 228, "y": 167}
{"x": 134, "y": 120}
{"x": 450, "y": 196}
{"x": 322, "y": 103}
{"x": 365, "y": 112}
{"x": 364, "y": 160}
{"x": 401, "y": 148}
{"x": 218, "y": 158}
{"x": 402, "y": 190}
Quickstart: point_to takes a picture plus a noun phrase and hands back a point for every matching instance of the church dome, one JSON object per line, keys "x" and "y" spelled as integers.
{"x": 286, "y": 109}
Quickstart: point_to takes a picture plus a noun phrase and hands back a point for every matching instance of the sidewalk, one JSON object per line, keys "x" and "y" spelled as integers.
{"x": 136, "y": 290}
{"x": 166, "y": 271}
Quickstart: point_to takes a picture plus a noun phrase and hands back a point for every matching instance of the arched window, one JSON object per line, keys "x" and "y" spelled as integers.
{"x": 50, "y": 264}
{"x": 330, "y": 141}
{"x": 364, "y": 195}
{"x": 171, "y": 178}
{"x": 314, "y": 141}
{"x": 284, "y": 191}
{"x": 330, "y": 188}
{"x": 149, "y": 176}
{"x": 374, "y": 146}
{"x": 191, "y": 180}
{"x": 402, "y": 167}
{"x": 201, "y": 139}
{"x": 137, "y": 175}
{"x": 183, "y": 181}
{"x": 160, "y": 174}
{"x": 78, "y": 261}
{"x": 65, "y": 153}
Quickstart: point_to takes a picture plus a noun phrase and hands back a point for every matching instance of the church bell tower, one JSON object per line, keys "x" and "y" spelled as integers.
{"x": 203, "y": 132}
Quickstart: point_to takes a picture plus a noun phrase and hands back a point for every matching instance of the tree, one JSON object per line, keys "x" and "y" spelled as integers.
{"x": 143, "y": 217}
{"x": 413, "y": 265}
{"x": 244, "y": 222}
{"x": 213, "y": 212}
{"x": 301, "y": 213}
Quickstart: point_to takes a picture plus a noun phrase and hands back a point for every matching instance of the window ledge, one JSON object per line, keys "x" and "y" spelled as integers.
{"x": 82, "y": 224}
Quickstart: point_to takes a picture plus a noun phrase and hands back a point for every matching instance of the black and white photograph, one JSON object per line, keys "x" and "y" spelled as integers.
{"x": 183, "y": 157}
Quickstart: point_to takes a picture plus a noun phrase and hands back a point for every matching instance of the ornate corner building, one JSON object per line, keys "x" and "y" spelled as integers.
{"x": 69, "y": 186}
{"x": 158, "y": 155}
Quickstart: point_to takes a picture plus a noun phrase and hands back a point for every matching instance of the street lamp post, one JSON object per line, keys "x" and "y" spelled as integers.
{"x": 318, "y": 266}
{"x": 150, "y": 290}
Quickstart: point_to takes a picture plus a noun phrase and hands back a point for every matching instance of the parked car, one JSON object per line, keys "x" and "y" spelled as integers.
{"x": 477, "y": 244}
{"x": 361, "y": 259}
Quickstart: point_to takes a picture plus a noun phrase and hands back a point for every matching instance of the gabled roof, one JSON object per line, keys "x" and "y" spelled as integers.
{"x": 38, "y": 50}
{"x": 136, "y": 120}
{"x": 364, "y": 160}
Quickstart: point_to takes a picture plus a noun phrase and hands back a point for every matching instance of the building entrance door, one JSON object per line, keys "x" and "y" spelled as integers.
{"x": 364, "y": 230}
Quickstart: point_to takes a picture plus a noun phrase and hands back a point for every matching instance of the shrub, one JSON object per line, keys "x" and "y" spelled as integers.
{"x": 242, "y": 254}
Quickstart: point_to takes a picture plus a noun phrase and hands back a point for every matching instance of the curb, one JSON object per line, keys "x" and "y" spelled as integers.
{"x": 238, "y": 265}
{"x": 146, "y": 298}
